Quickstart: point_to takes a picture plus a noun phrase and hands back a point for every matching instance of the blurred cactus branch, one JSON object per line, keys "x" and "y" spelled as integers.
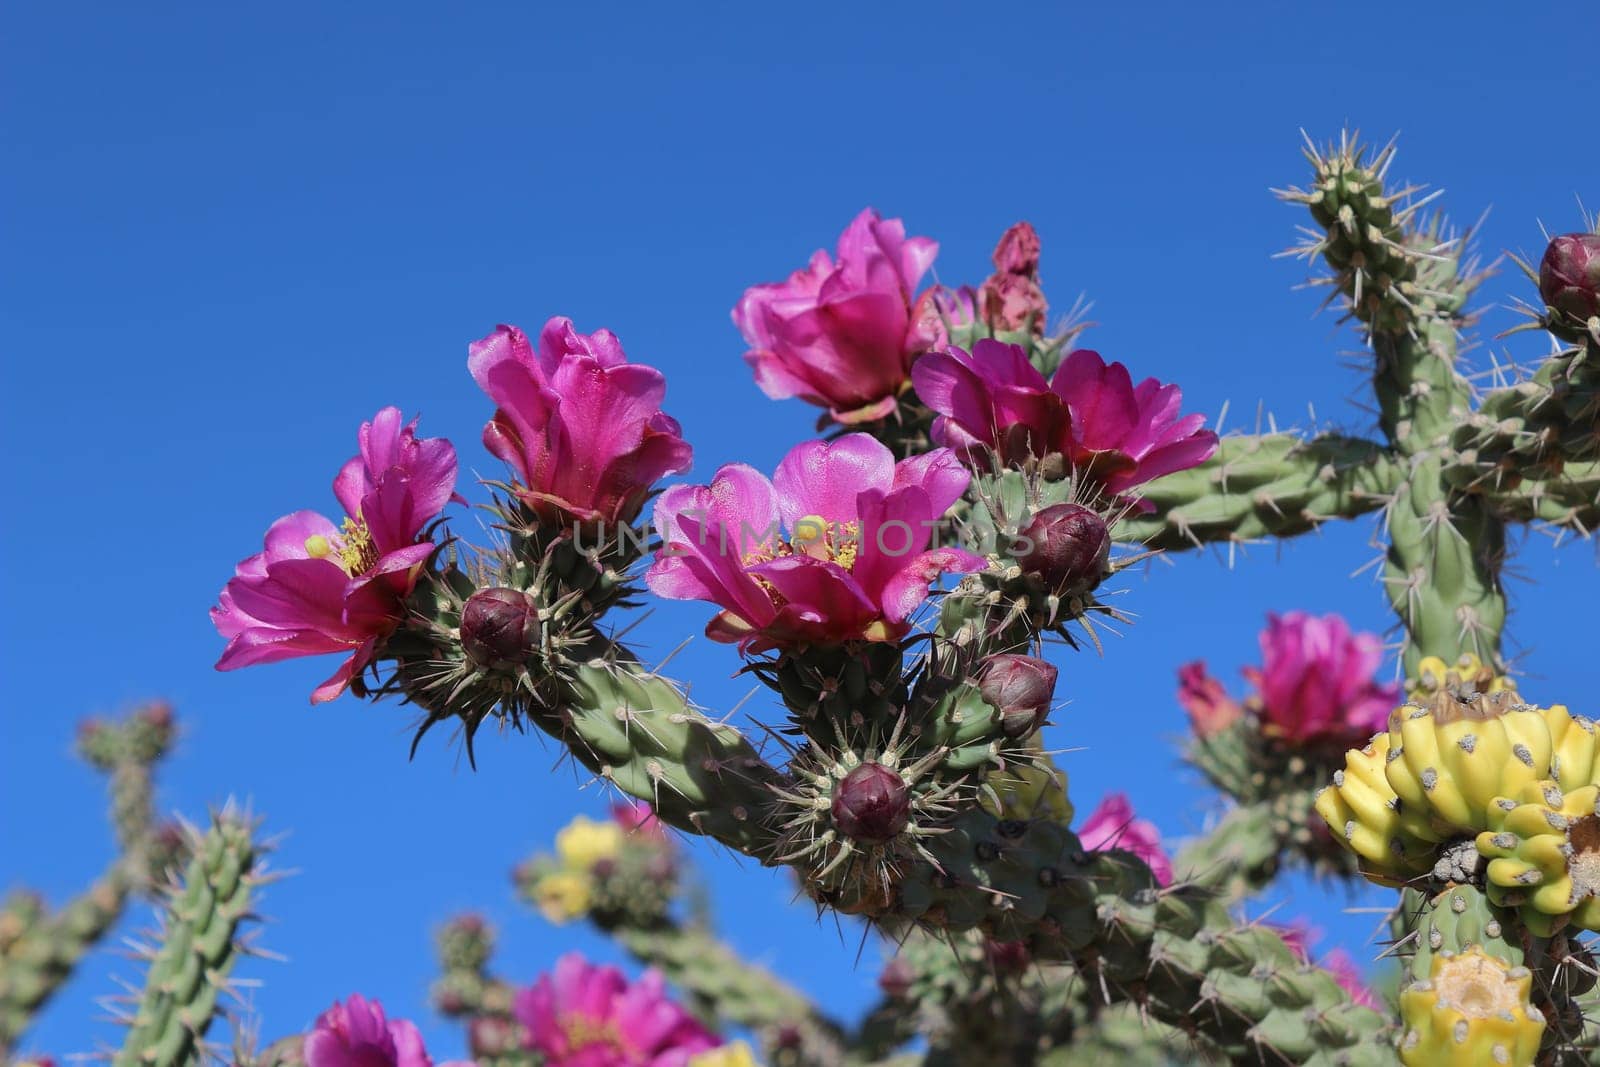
{"x": 1262, "y": 486}
{"x": 197, "y": 945}
{"x": 39, "y": 948}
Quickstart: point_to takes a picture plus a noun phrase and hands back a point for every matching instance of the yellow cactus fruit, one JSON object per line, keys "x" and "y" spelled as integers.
{"x": 1472, "y": 1011}
{"x": 736, "y": 1054}
{"x": 1364, "y": 812}
{"x": 583, "y": 842}
{"x": 1035, "y": 790}
{"x": 563, "y": 896}
{"x": 1468, "y": 674}
{"x": 1543, "y": 848}
{"x": 1454, "y": 755}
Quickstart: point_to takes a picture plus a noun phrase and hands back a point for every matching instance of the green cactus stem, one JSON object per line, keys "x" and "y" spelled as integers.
{"x": 200, "y": 942}
{"x": 1261, "y": 486}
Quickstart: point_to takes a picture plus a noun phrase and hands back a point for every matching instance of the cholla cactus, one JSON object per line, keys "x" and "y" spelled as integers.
{"x": 899, "y": 587}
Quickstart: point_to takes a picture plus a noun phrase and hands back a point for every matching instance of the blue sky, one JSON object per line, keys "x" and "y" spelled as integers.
{"x": 233, "y": 232}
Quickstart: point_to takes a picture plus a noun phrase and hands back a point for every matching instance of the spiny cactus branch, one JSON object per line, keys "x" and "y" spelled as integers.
{"x": 199, "y": 944}
{"x": 1256, "y": 487}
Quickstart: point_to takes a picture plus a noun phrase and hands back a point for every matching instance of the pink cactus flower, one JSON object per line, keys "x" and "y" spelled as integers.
{"x": 356, "y": 1034}
{"x": 842, "y": 333}
{"x": 1113, "y": 433}
{"x": 1300, "y": 936}
{"x": 1316, "y": 680}
{"x": 637, "y": 817}
{"x": 589, "y": 1016}
{"x": 1125, "y": 435}
{"x": 1112, "y": 825}
{"x": 581, "y": 428}
{"x": 834, "y": 548}
{"x": 1211, "y": 710}
{"x": 993, "y": 399}
{"x": 321, "y": 588}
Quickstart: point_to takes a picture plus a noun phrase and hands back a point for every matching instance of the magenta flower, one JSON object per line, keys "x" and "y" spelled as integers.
{"x": 1112, "y": 826}
{"x": 356, "y": 1034}
{"x": 1316, "y": 680}
{"x": 834, "y": 548}
{"x": 581, "y": 428}
{"x": 321, "y": 588}
{"x": 1112, "y": 432}
{"x": 842, "y": 332}
{"x": 589, "y": 1016}
{"x": 1299, "y": 936}
{"x": 1211, "y": 710}
{"x": 637, "y": 817}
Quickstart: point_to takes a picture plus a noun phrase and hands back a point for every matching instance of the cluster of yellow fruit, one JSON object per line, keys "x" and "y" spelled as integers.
{"x": 1520, "y": 781}
{"x": 564, "y": 894}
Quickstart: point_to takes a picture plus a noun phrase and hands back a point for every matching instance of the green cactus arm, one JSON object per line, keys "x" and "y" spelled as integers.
{"x": 200, "y": 943}
{"x": 1175, "y": 951}
{"x": 1533, "y": 425}
{"x": 42, "y": 957}
{"x": 44, "y": 952}
{"x": 1406, "y": 285}
{"x": 1246, "y": 848}
{"x": 1258, "y": 486}
{"x": 1570, "y": 501}
{"x": 635, "y": 729}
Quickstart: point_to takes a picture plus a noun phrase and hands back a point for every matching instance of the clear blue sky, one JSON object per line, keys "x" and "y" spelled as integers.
{"x": 231, "y": 233}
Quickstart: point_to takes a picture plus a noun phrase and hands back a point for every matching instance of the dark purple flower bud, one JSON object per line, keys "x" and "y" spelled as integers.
{"x": 1020, "y": 688}
{"x": 499, "y": 627}
{"x": 1068, "y": 547}
{"x": 1007, "y": 957}
{"x": 896, "y": 977}
{"x": 1569, "y": 275}
{"x": 872, "y": 804}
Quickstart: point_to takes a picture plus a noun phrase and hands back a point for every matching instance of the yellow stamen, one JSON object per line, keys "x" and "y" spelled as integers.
{"x": 357, "y": 553}
{"x": 317, "y": 546}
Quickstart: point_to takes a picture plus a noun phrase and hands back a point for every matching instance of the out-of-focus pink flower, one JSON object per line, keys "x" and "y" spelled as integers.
{"x": 1112, "y": 825}
{"x": 356, "y": 1034}
{"x": 321, "y": 588}
{"x": 1348, "y": 974}
{"x": 589, "y": 1016}
{"x": 580, "y": 426}
{"x": 834, "y": 548}
{"x": 1300, "y": 936}
{"x": 1011, "y": 298}
{"x": 1316, "y": 680}
{"x": 1211, "y": 710}
{"x": 637, "y": 817}
{"x": 1113, "y": 433}
{"x": 842, "y": 333}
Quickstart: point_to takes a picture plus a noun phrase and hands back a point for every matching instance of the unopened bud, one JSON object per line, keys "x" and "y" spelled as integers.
{"x": 1020, "y": 688}
{"x": 896, "y": 977}
{"x": 499, "y": 627}
{"x": 1569, "y": 276}
{"x": 1068, "y": 546}
{"x": 1007, "y": 957}
{"x": 872, "y": 804}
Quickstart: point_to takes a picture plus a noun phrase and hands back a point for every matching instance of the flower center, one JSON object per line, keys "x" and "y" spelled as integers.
{"x": 353, "y": 549}
{"x": 836, "y": 542}
{"x": 585, "y": 1031}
